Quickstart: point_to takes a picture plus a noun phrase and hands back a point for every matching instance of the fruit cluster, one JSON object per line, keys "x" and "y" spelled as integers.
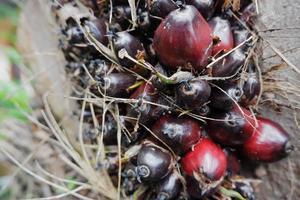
{"x": 181, "y": 79}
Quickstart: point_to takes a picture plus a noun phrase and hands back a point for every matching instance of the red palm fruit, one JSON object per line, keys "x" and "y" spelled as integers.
{"x": 205, "y": 7}
{"x": 231, "y": 128}
{"x": 183, "y": 39}
{"x": 233, "y": 163}
{"x": 116, "y": 84}
{"x": 153, "y": 163}
{"x": 229, "y": 65}
{"x": 161, "y": 8}
{"x": 206, "y": 161}
{"x": 205, "y": 166}
{"x": 221, "y": 29}
{"x": 168, "y": 188}
{"x": 193, "y": 94}
{"x": 179, "y": 133}
{"x": 269, "y": 142}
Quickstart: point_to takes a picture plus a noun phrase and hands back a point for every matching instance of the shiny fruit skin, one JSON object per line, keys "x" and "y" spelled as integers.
{"x": 240, "y": 35}
{"x": 223, "y": 100}
{"x": 221, "y": 29}
{"x": 251, "y": 87}
{"x": 153, "y": 163}
{"x": 161, "y": 8}
{"x": 183, "y": 39}
{"x": 179, "y": 133}
{"x": 229, "y": 65}
{"x": 231, "y": 128}
{"x": 116, "y": 84}
{"x": 206, "y": 159}
{"x": 124, "y": 40}
{"x": 205, "y": 7}
{"x": 193, "y": 94}
{"x": 168, "y": 188}
{"x": 98, "y": 29}
{"x": 269, "y": 142}
{"x": 149, "y": 113}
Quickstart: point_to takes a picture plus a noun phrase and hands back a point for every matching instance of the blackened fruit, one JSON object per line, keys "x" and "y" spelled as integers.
{"x": 245, "y": 189}
{"x": 205, "y": 7}
{"x": 124, "y": 40}
{"x": 183, "y": 39}
{"x": 206, "y": 159}
{"x": 232, "y": 127}
{"x": 148, "y": 112}
{"x": 193, "y": 94}
{"x": 153, "y": 163}
{"x": 109, "y": 130}
{"x": 98, "y": 29}
{"x": 221, "y": 29}
{"x": 168, "y": 188}
{"x": 269, "y": 142}
{"x": 129, "y": 178}
{"x": 229, "y": 65}
{"x": 122, "y": 15}
{"x": 179, "y": 133}
{"x": 224, "y": 99}
{"x": 116, "y": 84}
{"x": 143, "y": 22}
{"x": 161, "y": 8}
{"x": 251, "y": 87}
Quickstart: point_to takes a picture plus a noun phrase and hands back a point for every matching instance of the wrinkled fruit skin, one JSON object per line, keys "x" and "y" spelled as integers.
{"x": 183, "y": 39}
{"x": 224, "y": 101}
{"x": 161, "y": 8}
{"x": 205, "y": 7}
{"x": 179, "y": 133}
{"x": 193, "y": 94}
{"x": 269, "y": 142}
{"x": 123, "y": 40}
{"x": 153, "y": 163}
{"x": 168, "y": 188}
{"x": 221, "y": 29}
{"x": 116, "y": 84}
{"x": 208, "y": 157}
{"x": 229, "y": 65}
{"x": 232, "y": 127}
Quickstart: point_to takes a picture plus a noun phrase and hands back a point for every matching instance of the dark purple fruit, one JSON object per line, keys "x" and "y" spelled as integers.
{"x": 224, "y": 99}
{"x": 147, "y": 112}
{"x": 205, "y": 7}
{"x": 124, "y": 40}
{"x": 232, "y": 127}
{"x": 183, "y": 39}
{"x": 98, "y": 29}
{"x": 240, "y": 36}
{"x": 168, "y": 188}
{"x": 251, "y": 87}
{"x": 161, "y": 8}
{"x": 193, "y": 94}
{"x": 179, "y": 133}
{"x": 222, "y": 30}
{"x": 75, "y": 35}
{"x": 153, "y": 163}
{"x": 229, "y": 65}
{"x": 269, "y": 142}
{"x": 117, "y": 84}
